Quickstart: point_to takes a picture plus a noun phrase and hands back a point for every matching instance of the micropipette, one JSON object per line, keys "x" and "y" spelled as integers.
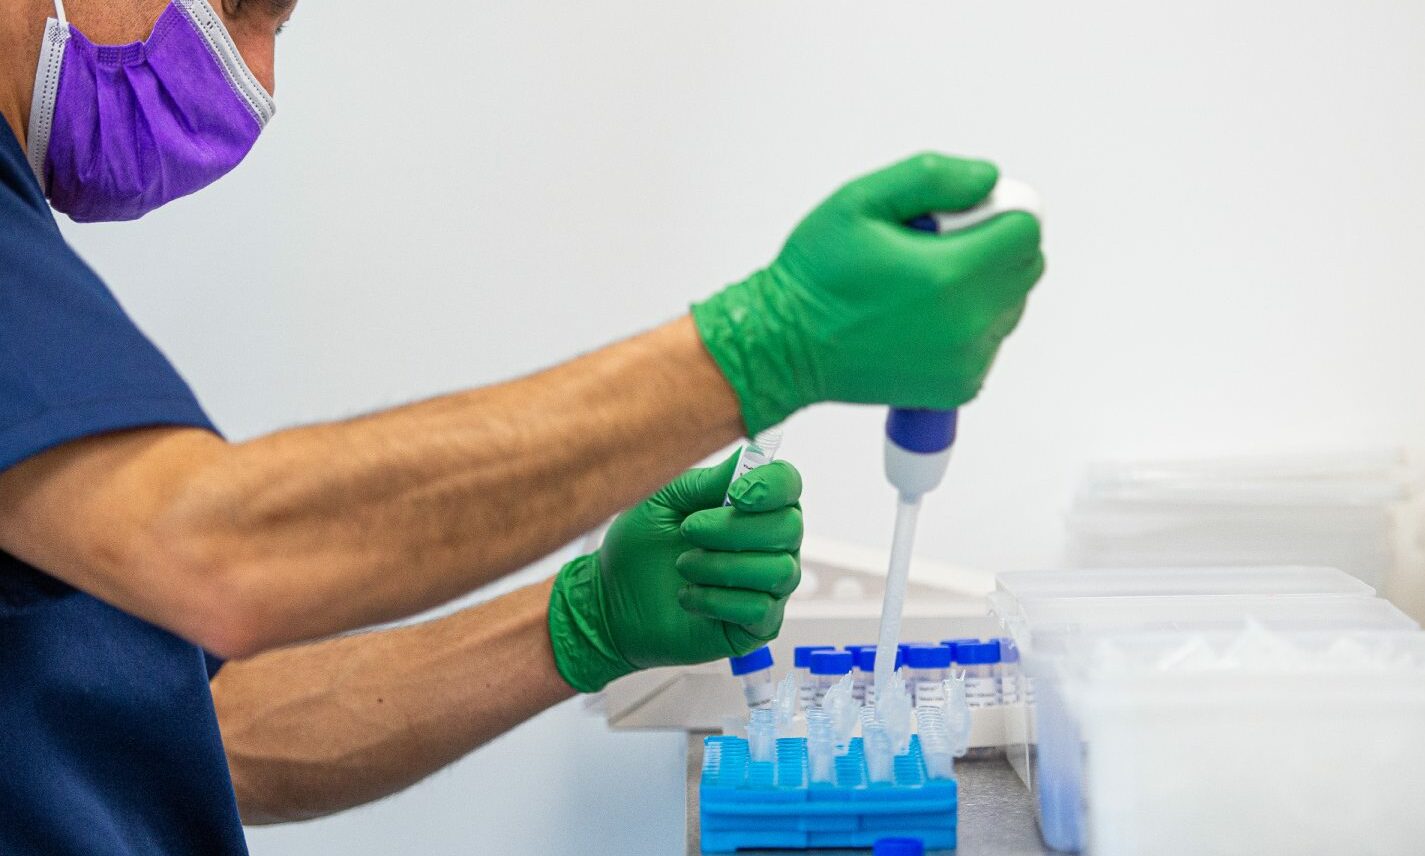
{"x": 918, "y": 441}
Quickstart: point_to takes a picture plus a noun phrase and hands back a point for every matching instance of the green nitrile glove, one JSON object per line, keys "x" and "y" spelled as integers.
{"x": 680, "y": 578}
{"x": 860, "y": 308}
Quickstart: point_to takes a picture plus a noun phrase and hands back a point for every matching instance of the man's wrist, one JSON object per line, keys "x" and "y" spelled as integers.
{"x": 743, "y": 328}
{"x": 578, "y": 629}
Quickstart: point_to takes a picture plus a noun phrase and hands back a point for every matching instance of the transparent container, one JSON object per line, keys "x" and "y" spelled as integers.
{"x": 980, "y": 663}
{"x": 755, "y": 672}
{"x": 827, "y": 668}
{"x": 1044, "y": 629}
{"x": 925, "y": 667}
{"x": 1249, "y": 741}
{"x": 801, "y": 663}
{"x": 866, "y": 670}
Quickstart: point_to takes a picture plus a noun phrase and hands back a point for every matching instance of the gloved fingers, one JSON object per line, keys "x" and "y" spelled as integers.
{"x": 756, "y": 611}
{"x": 696, "y": 489}
{"x": 768, "y": 487}
{"x": 1008, "y": 242}
{"x": 921, "y": 184}
{"x": 728, "y": 529}
{"x": 762, "y": 632}
{"x": 774, "y": 573}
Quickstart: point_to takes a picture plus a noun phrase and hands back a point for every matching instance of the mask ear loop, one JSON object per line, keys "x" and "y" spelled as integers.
{"x": 46, "y": 90}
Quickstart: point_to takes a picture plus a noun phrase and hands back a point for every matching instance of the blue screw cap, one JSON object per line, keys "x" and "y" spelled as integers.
{"x": 754, "y": 662}
{"x": 928, "y": 657}
{"x": 977, "y": 654}
{"x": 899, "y": 847}
{"x": 801, "y": 655}
{"x": 831, "y": 662}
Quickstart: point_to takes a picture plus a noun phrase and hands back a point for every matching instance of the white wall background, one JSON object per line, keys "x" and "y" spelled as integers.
{"x": 454, "y": 193}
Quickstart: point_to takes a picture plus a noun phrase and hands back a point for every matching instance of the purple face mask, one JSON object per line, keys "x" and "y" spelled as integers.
{"x": 115, "y": 132}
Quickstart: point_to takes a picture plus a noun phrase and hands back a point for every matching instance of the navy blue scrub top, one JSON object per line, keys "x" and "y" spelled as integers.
{"x": 108, "y": 740}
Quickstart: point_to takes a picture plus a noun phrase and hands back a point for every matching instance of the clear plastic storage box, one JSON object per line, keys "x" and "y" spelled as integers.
{"x": 1048, "y": 613}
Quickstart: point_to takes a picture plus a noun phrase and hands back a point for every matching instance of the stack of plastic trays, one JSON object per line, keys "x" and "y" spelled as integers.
{"x": 1341, "y": 510}
{"x": 750, "y": 805}
{"x": 1057, "y": 591}
{"x": 1252, "y": 741}
{"x": 1125, "y": 602}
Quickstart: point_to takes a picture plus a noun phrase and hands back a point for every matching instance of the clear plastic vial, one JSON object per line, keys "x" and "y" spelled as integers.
{"x": 755, "y": 672}
{"x": 925, "y": 671}
{"x": 1010, "y": 677}
{"x": 759, "y": 451}
{"x": 828, "y": 667}
{"x": 806, "y": 684}
{"x": 866, "y": 668}
{"x": 980, "y": 663}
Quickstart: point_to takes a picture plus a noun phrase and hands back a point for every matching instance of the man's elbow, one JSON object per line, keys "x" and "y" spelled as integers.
{"x": 219, "y": 600}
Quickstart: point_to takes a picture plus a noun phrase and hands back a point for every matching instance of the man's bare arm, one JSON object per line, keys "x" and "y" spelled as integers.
{"x": 318, "y": 530}
{"x": 319, "y": 728}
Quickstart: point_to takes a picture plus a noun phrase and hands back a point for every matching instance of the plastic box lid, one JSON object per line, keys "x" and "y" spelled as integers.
{"x": 1166, "y": 582}
{"x": 1041, "y": 626}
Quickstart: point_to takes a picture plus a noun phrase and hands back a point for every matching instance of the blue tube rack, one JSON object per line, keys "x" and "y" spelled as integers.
{"x": 745, "y": 804}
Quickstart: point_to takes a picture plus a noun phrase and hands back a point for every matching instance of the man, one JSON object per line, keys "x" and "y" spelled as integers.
{"x": 139, "y": 550}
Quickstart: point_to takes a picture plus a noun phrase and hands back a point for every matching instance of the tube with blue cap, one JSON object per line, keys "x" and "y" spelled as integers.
{"x": 918, "y": 442}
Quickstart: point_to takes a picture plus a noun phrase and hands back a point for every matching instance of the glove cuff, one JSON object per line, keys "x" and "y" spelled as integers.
{"x": 578, "y": 631}
{"x": 752, "y": 338}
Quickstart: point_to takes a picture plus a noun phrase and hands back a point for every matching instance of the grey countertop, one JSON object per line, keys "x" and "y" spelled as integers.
{"x": 996, "y": 814}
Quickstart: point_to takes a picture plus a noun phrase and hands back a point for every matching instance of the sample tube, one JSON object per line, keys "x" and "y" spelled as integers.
{"x": 806, "y": 684}
{"x": 980, "y": 661}
{"x": 1010, "y": 676}
{"x": 880, "y": 761}
{"x": 760, "y": 450}
{"x": 952, "y": 643}
{"x": 821, "y": 746}
{"x": 926, "y": 665}
{"x": 866, "y": 668}
{"x": 828, "y": 667}
{"x": 755, "y": 672}
{"x": 762, "y": 735}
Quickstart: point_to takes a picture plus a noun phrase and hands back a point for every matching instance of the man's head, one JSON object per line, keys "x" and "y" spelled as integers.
{"x": 112, "y": 135}
{"x": 254, "y": 25}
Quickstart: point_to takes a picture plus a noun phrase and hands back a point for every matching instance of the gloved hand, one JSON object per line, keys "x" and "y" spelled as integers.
{"x": 860, "y": 308}
{"x": 680, "y": 578}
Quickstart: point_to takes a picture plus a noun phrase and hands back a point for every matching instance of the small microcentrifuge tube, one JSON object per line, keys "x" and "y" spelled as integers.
{"x": 844, "y": 711}
{"x": 893, "y": 713}
{"x": 806, "y": 682}
{"x": 980, "y": 661}
{"x": 754, "y": 670}
{"x": 785, "y": 704}
{"x": 762, "y": 735}
{"x": 821, "y": 747}
{"x": 880, "y": 762}
{"x": 925, "y": 667}
{"x": 957, "y": 714}
{"x": 759, "y": 451}
{"x": 935, "y": 743}
{"x": 828, "y": 667}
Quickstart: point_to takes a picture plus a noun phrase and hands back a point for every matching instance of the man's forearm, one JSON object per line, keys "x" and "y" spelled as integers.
{"x": 318, "y": 728}
{"x": 318, "y": 530}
